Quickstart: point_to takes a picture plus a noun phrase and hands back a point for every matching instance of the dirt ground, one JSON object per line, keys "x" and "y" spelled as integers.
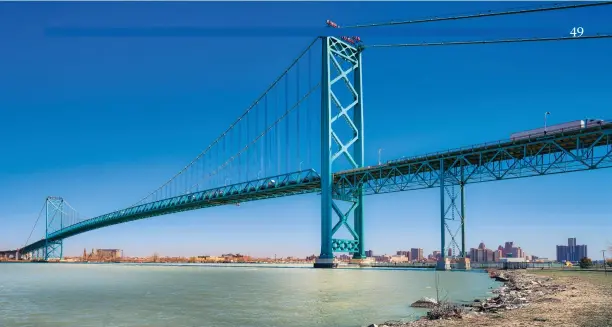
{"x": 587, "y": 302}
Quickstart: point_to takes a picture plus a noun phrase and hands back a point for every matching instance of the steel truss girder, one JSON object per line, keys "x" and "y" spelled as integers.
{"x": 581, "y": 150}
{"x": 301, "y": 182}
{"x": 340, "y": 60}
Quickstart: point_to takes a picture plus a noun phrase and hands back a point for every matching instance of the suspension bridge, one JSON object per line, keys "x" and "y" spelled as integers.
{"x": 305, "y": 134}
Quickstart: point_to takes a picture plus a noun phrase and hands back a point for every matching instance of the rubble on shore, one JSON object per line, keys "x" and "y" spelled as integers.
{"x": 519, "y": 290}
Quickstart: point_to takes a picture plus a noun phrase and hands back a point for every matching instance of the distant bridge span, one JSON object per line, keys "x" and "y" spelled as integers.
{"x": 563, "y": 152}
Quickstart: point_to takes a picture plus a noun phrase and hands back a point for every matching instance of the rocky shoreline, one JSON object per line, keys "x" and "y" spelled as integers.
{"x": 520, "y": 289}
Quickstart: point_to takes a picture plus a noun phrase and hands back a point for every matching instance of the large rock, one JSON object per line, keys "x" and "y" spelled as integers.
{"x": 502, "y": 279}
{"x": 425, "y": 303}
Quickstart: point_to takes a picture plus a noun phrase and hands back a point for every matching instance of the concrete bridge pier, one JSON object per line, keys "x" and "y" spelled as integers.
{"x": 464, "y": 264}
{"x": 325, "y": 263}
{"x": 443, "y": 264}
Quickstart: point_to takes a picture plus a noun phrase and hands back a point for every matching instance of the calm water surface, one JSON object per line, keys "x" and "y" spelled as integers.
{"x": 82, "y": 295}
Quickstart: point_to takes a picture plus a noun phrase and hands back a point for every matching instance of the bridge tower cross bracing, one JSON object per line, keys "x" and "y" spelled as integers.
{"x": 54, "y": 216}
{"x": 340, "y": 61}
{"x": 452, "y": 211}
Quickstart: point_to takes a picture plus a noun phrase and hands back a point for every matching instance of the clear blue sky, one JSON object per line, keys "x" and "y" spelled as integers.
{"x": 102, "y": 121}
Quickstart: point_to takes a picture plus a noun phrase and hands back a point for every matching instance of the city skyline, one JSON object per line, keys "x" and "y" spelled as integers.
{"x": 412, "y": 253}
{"x": 128, "y": 113}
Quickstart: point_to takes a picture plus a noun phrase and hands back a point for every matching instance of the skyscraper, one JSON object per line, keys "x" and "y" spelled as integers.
{"x": 581, "y": 252}
{"x": 562, "y": 253}
{"x": 416, "y": 254}
{"x": 571, "y": 252}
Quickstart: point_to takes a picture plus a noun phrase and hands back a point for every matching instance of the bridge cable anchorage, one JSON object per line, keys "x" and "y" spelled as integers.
{"x": 234, "y": 123}
{"x": 482, "y": 15}
{"x": 270, "y": 127}
{"x": 36, "y": 223}
{"x": 535, "y": 39}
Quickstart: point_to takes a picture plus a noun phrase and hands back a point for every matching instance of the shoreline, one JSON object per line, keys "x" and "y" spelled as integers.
{"x": 529, "y": 298}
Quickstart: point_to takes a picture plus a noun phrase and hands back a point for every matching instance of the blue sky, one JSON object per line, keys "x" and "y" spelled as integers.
{"x": 103, "y": 121}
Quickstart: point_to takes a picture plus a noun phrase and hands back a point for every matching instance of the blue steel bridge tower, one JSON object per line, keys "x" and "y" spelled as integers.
{"x": 54, "y": 220}
{"x": 341, "y": 139}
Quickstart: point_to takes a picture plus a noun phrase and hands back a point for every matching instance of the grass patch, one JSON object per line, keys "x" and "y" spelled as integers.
{"x": 594, "y": 277}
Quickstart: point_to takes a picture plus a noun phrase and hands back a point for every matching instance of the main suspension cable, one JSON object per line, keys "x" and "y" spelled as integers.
{"x": 235, "y": 122}
{"x": 36, "y": 223}
{"x": 481, "y": 15}
{"x": 536, "y": 39}
{"x": 258, "y": 137}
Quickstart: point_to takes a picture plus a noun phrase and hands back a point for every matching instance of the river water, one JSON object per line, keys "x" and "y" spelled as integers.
{"x": 82, "y": 295}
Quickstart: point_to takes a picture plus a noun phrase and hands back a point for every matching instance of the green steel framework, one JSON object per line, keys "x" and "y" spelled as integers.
{"x": 301, "y": 182}
{"x": 340, "y": 61}
{"x": 565, "y": 151}
{"x": 54, "y": 214}
{"x": 536, "y": 155}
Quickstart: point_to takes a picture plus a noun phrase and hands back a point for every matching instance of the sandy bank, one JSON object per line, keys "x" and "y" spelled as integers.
{"x": 537, "y": 298}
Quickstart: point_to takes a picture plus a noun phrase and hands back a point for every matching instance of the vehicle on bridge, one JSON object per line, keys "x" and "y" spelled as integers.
{"x": 554, "y": 129}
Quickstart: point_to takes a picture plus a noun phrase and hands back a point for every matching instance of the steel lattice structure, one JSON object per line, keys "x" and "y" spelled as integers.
{"x": 301, "y": 182}
{"x": 340, "y": 62}
{"x": 54, "y": 219}
{"x": 342, "y": 139}
{"x": 538, "y": 155}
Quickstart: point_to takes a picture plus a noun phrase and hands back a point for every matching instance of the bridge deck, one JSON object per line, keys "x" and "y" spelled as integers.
{"x": 373, "y": 179}
{"x": 501, "y": 155}
{"x": 271, "y": 187}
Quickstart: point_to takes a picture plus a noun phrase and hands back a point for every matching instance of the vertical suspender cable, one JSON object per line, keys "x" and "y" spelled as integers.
{"x": 308, "y": 138}
{"x": 262, "y": 143}
{"x": 277, "y": 132}
{"x": 255, "y": 147}
{"x": 287, "y": 123}
{"x": 230, "y": 151}
{"x": 248, "y": 123}
{"x": 297, "y": 113}
{"x": 239, "y": 157}
{"x": 265, "y": 153}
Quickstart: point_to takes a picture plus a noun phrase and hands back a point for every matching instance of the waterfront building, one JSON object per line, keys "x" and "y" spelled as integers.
{"x": 369, "y": 253}
{"x": 404, "y": 254}
{"x": 511, "y": 251}
{"x": 482, "y": 254}
{"x": 399, "y": 258}
{"x": 571, "y": 252}
{"x": 497, "y": 255}
{"x": 416, "y": 254}
{"x": 107, "y": 254}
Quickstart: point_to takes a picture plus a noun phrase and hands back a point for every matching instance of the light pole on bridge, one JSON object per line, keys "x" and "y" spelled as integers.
{"x": 545, "y": 116}
{"x": 379, "y": 152}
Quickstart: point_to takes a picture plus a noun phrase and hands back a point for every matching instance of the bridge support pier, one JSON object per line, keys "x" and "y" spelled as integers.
{"x": 452, "y": 215}
{"x": 341, "y": 93}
